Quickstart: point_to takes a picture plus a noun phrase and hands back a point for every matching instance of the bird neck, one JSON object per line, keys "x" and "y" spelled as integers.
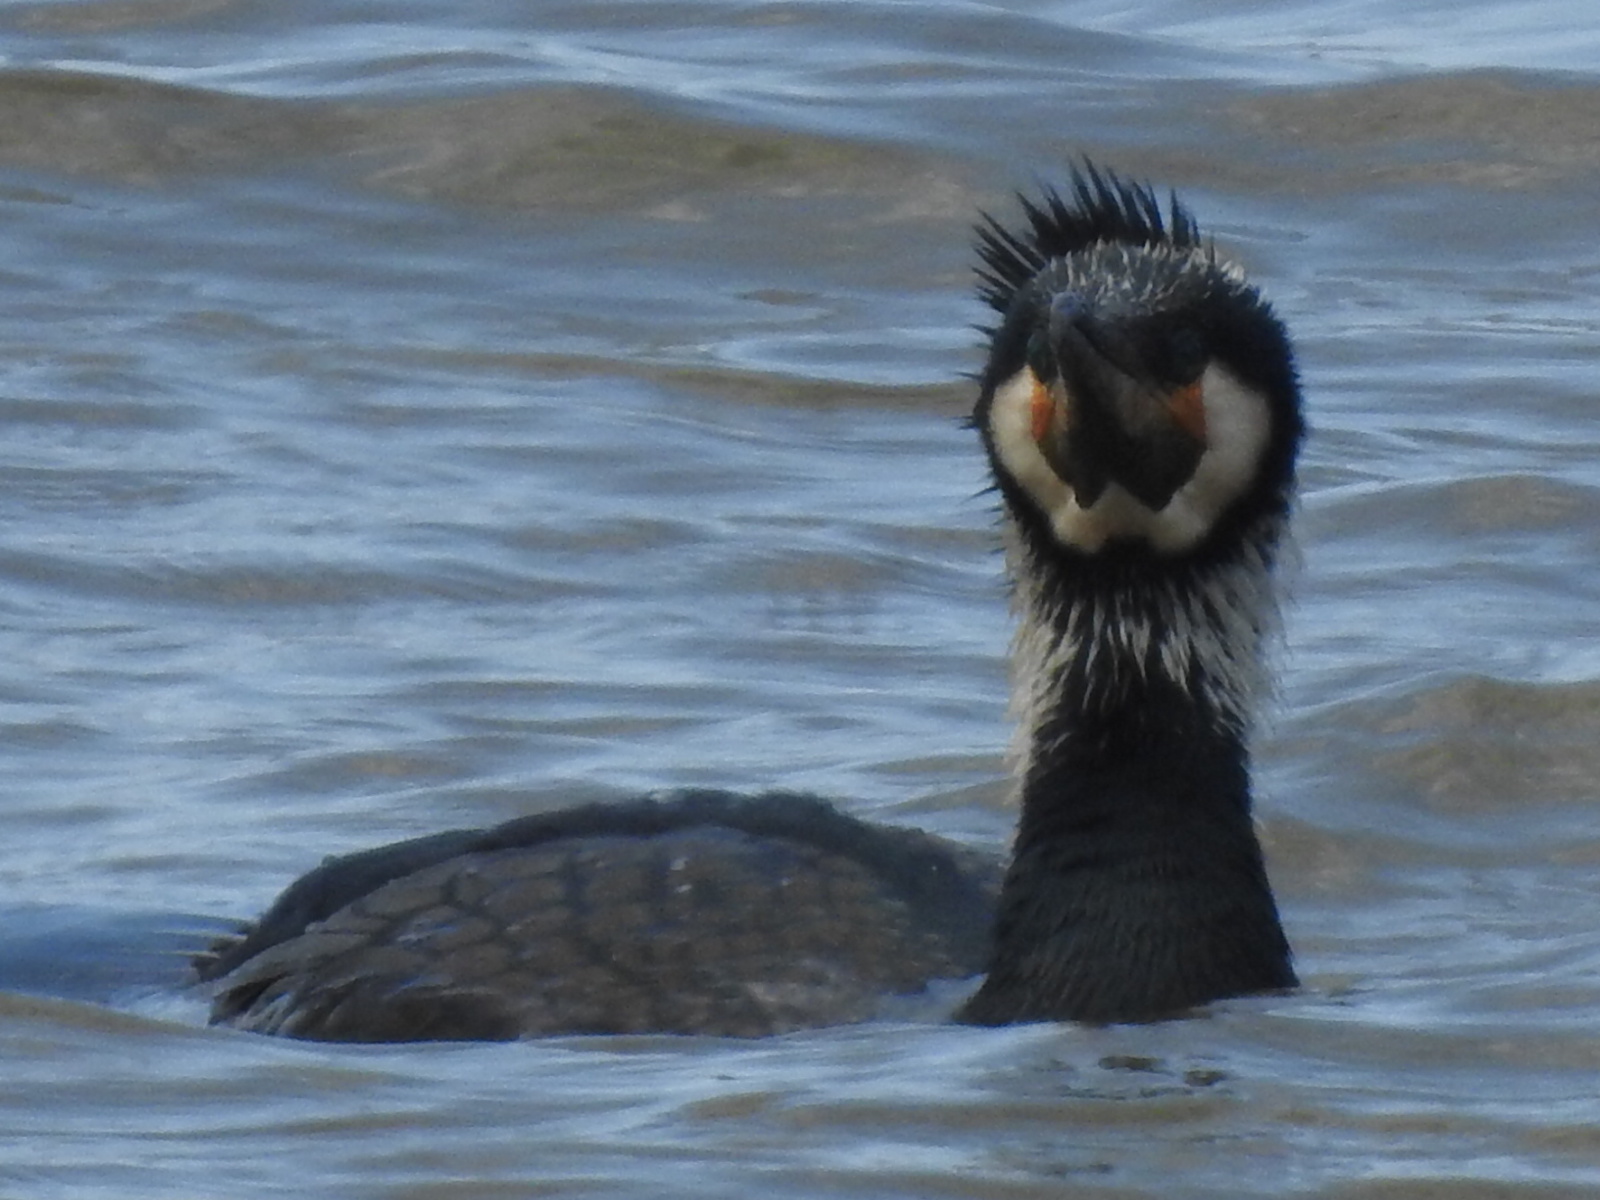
{"x": 1137, "y": 887}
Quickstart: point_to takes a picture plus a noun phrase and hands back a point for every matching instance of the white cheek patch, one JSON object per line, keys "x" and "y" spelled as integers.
{"x": 1237, "y": 424}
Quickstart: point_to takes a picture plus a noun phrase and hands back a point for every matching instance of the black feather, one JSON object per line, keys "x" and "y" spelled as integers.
{"x": 1099, "y": 206}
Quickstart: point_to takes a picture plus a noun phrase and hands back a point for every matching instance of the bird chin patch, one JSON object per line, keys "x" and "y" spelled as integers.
{"x": 1237, "y": 422}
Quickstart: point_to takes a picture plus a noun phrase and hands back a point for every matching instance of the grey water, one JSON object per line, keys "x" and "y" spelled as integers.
{"x": 417, "y": 414}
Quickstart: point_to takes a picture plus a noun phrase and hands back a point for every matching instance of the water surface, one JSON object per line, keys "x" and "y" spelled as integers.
{"x": 417, "y": 415}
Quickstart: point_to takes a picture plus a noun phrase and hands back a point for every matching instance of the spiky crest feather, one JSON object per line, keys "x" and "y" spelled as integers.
{"x": 1100, "y": 207}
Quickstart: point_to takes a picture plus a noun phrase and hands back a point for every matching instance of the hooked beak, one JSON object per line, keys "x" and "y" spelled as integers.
{"x": 1099, "y": 419}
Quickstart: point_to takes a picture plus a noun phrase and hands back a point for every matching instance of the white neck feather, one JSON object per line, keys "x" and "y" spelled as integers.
{"x": 1212, "y": 637}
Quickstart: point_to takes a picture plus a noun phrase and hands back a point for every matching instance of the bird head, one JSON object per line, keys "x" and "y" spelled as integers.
{"x": 1138, "y": 392}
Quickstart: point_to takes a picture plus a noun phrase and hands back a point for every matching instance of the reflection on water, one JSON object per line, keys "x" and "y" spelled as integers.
{"x": 415, "y": 418}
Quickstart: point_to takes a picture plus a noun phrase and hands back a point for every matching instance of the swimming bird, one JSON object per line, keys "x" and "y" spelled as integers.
{"x": 1141, "y": 415}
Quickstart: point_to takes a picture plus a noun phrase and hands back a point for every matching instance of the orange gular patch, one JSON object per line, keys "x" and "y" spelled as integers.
{"x": 1041, "y": 409}
{"x": 1188, "y": 408}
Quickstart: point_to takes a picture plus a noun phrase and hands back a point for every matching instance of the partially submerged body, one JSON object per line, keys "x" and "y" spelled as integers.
{"x": 1141, "y": 416}
{"x": 703, "y": 913}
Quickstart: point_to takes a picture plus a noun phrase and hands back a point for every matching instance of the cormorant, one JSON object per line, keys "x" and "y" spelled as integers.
{"x": 1141, "y": 415}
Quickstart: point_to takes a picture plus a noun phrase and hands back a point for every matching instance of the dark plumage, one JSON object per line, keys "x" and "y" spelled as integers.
{"x": 704, "y": 912}
{"x": 1141, "y": 414}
